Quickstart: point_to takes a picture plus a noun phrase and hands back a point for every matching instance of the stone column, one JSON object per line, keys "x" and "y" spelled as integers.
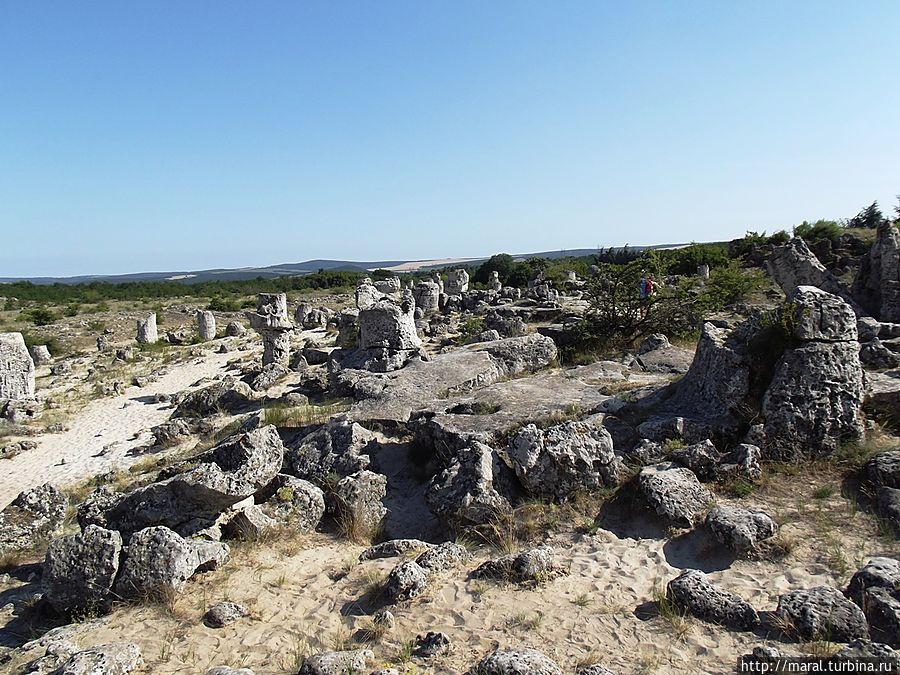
{"x": 206, "y": 325}
{"x": 16, "y": 368}
{"x": 271, "y": 321}
{"x": 703, "y": 271}
{"x": 146, "y": 330}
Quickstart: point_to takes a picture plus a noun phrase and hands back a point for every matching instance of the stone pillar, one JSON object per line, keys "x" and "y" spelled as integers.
{"x": 146, "y": 330}
{"x": 703, "y": 271}
{"x": 494, "y": 282}
{"x": 388, "y": 286}
{"x": 16, "y": 368}
{"x": 41, "y": 355}
{"x": 427, "y": 295}
{"x": 436, "y": 278}
{"x": 366, "y": 294}
{"x": 457, "y": 282}
{"x": 206, "y": 325}
{"x": 271, "y": 321}
{"x": 571, "y": 277}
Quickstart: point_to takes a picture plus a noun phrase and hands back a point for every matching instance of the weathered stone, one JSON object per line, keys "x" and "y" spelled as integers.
{"x": 226, "y": 396}
{"x": 393, "y": 548}
{"x": 206, "y": 325}
{"x": 595, "y": 669}
{"x": 223, "y": 613}
{"x": 234, "y": 470}
{"x": 293, "y": 501}
{"x": 388, "y": 335}
{"x": 40, "y": 354}
{"x": 271, "y": 321}
{"x": 337, "y": 447}
{"x": 146, "y": 331}
{"x": 80, "y": 569}
{"x": 348, "y": 329}
{"x": 559, "y": 461}
{"x": 225, "y": 670}
{"x": 794, "y": 265}
{"x": 235, "y": 329}
{"x": 472, "y": 489}
{"x": 821, "y": 613}
{"x": 494, "y": 282}
{"x": 366, "y": 294}
{"x": 16, "y": 368}
{"x": 431, "y": 644}
{"x": 877, "y": 283}
{"x": 270, "y": 374}
{"x": 248, "y": 524}
{"x": 820, "y": 316}
{"x": 653, "y": 342}
{"x": 740, "y": 529}
{"x": 457, "y": 282}
{"x": 674, "y": 493}
{"x": 879, "y": 572}
{"x": 358, "y": 498}
{"x": 32, "y": 517}
{"x": 701, "y": 458}
{"x": 875, "y": 355}
{"x": 536, "y": 565}
{"x": 742, "y": 462}
{"x": 105, "y": 659}
{"x": 388, "y": 286}
{"x": 443, "y": 557}
{"x": 157, "y": 563}
{"x": 337, "y": 663}
{"x": 406, "y": 581}
{"x": 693, "y": 592}
{"x": 516, "y": 662}
{"x": 883, "y": 469}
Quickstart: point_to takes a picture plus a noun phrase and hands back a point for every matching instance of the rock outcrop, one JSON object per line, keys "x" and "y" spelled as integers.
{"x": 16, "y": 368}
{"x": 877, "y": 284}
{"x": 821, "y": 613}
{"x": 80, "y": 569}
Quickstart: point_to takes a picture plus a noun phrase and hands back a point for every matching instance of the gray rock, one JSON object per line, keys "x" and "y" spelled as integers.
{"x": 740, "y": 529}
{"x": 359, "y": 496}
{"x": 146, "y": 331}
{"x": 206, "y": 325}
{"x": 16, "y": 368}
{"x": 293, "y": 501}
{"x": 794, "y": 265}
{"x": 106, "y": 659}
{"x": 865, "y": 649}
{"x": 879, "y": 572}
{"x": 882, "y": 610}
{"x": 701, "y": 458}
{"x": 883, "y": 469}
{"x": 40, "y": 354}
{"x": 674, "y": 493}
{"x": 337, "y": 447}
{"x": 742, "y": 462}
{"x": 473, "y": 489}
{"x": 157, "y": 563}
{"x": 516, "y": 662}
{"x": 431, "y": 644}
{"x": 80, "y": 569}
{"x": 821, "y": 613}
{"x": 270, "y": 374}
{"x": 248, "y": 524}
{"x": 271, "y": 321}
{"x": 92, "y": 511}
{"x": 867, "y": 328}
{"x": 564, "y": 459}
{"x": 693, "y": 592}
{"x": 405, "y": 582}
{"x": 223, "y": 613}
{"x": 875, "y": 355}
{"x": 32, "y": 517}
{"x": 225, "y": 670}
{"x": 595, "y": 669}
{"x": 457, "y": 282}
{"x": 653, "y": 342}
{"x": 235, "y": 469}
{"x": 877, "y": 283}
{"x": 443, "y": 557}
{"x": 235, "y": 329}
{"x": 337, "y": 663}
{"x": 536, "y": 565}
{"x": 394, "y": 548}
{"x": 226, "y": 396}
{"x": 820, "y": 316}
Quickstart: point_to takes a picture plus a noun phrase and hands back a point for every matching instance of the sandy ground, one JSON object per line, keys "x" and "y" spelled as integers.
{"x": 105, "y": 435}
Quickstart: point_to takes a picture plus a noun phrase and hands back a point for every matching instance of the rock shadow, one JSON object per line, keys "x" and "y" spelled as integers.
{"x": 697, "y": 550}
{"x": 627, "y": 517}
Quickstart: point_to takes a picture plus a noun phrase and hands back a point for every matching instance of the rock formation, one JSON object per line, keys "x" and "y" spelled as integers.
{"x": 146, "y": 330}
{"x": 16, "y": 368}
{"x": 457, "y": 282}
{"x": 271, "y": 321}
{"x": 206, "y": 325}
{"x": 877, "y": 284}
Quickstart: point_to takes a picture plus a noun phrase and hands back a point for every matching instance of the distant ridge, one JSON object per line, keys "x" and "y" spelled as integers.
{"x": 303, "y": 268}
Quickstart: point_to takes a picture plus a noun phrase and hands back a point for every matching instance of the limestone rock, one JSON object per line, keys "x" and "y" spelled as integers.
{"x": 337, "y": 663}
{"x": 359, "y": 496}
{"x": 293, "y": 501}
{"x": 740, "y": 529}
{"x": 337, "y": 447}
{"x": 223, "y": 613}
{"x": 742, "y": 462}
{"x": 693, "y": 591}
{"x": 674, "y": 493}
{"x": 235, "y": 329}
{"x": 701, "y": 458}
{"x": 16, "y": 368}
{"x": 473, "y": 488}
{"x": 393, "y": 548}
{"x": 147, "y": 333}
{"x": 883, "y": 469}
{"x": 248, "y": 524}
{"x": 105, "y": 659}
{"x": 80, "y": 569}
{"x": 877, "y": 283}
{"x": 443, "y": 557}
{"x": 536, "y": 565}
{"x": 206, "y": 325}
{"x": 40, "y": 354}
{"x": 820, "y": 316}
{"x": 33, "y": 516}
{"x": 457, "y": 282}
{"x": 564, "y": 459}
{"x": 431, "y": 644}
{"x": 226, "y": 396}
{"x": 516, "y": 662}
{"x": 822, "y": 613}
{"x": 794, "y": 265}
{"x": 405, "y": 582}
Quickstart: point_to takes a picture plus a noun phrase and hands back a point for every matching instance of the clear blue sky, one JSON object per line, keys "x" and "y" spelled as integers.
{"x": 162, "y": 135}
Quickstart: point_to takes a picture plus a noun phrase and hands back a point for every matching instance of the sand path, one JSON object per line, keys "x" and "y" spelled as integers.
{"x": 119, "y": 424}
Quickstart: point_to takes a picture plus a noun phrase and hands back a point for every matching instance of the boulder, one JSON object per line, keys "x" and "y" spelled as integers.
{"x": 701, "y": 458}
{"x": 473, "y": 489}
{"x": 536, "y": 565}
{"x": 442, "y": 557}
{"x": 206, "y": 325}
{"x": 337, "y": 663}
{"x": 653, "y": 342}
{"x": 674, "y": 493}
{"x": 516, "y": 662}
{"x": 235, "y": 329}
{"x": 223, "y": 613}
{"x": 406, "y": 581}
{"x": 32, "y": 517}
{"x": 740, "y": 529}
{"x": 693, "y": 592}
{"x": 147, "y": 333}
{"x": 293, "y": 501}
{"x": 876, "y": 589}
{"x": 817, "y": 316}
{"x": 876, "y": 355}
{"x": 742, "y": 462}
{"x": 80, "y": 569}
{"x": 358, "y": 498}
{"x": 226, "y": 396}
{"x": 794, "y": 265}
{"x": 337, "y": 447}
{"x": 16, "y": 368}
{"x": 821, "y": 613}
{"x": 40, "y": 354}
{"x": 248, "y": 524}
{"x": 158, "y": 562}
{"x": 877, "y": 284}
{"x": 564, "y": 459}
{"x": 393, "y": 548}
{"x": 106, "y": 659}
{"x": 883, "y": 469}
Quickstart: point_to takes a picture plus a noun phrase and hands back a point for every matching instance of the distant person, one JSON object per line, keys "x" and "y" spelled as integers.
{"x": 642, "y": 287}
{"x": 650, "y": 287}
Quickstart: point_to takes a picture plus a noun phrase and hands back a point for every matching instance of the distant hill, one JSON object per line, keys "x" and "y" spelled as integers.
{"x": 301, "y": 268}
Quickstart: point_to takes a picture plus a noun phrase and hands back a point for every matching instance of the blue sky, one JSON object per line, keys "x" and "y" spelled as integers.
{"x": 163, "y": 135}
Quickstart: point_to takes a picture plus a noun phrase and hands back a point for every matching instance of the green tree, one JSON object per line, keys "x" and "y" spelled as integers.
{"x": 869, "y": 218}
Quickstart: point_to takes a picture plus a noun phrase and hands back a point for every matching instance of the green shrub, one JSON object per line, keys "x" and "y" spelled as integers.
{"x": 819, "y": 230}
{"x": 40, "y": 316}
